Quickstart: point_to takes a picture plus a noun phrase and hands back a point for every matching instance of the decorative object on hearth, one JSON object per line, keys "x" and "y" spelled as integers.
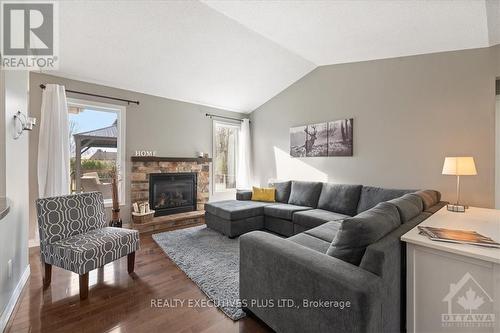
{"x": 334, "y": 138}
{"x": 116, "y": 221}
{"x": 140, "y": 218}
{"x": 141, "y": 212}
{"x": 459, "y": 166}
{"x": 205, "y": 155}
{"x": 200, "y": 154}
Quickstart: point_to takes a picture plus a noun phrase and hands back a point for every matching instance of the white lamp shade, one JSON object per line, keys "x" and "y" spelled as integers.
{"x": 459, "y": 166}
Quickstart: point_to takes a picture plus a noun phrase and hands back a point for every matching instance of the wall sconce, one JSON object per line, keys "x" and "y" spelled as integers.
{"x": 26, "y": 124}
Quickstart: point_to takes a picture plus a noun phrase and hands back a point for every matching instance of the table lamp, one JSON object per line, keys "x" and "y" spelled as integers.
{"x": 459, "y": 166}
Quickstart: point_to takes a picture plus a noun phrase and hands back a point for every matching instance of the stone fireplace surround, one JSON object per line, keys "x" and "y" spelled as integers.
{"x": 142, "y": 166}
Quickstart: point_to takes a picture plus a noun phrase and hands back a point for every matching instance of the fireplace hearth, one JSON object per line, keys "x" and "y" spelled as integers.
{"x": 172, "y": 193}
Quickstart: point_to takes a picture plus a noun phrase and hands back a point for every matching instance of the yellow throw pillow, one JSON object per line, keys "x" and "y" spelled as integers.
{"x": 263, "y": 194}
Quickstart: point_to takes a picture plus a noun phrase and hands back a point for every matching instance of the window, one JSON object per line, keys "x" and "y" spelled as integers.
{"x": 96, "y": 135}
{"x": 225, "y": 154}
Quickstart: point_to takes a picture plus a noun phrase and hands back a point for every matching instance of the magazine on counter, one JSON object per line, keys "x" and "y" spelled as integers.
{"x": 458, "y": 236}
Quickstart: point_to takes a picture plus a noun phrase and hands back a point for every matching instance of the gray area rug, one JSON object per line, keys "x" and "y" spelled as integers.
{"x": 211, "y": 260}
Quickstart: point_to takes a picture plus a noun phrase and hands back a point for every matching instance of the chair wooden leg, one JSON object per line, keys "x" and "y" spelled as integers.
{"x": 47, "y": 275}
{"x": 84, "y": 286}
{"x": 130, "y": 262}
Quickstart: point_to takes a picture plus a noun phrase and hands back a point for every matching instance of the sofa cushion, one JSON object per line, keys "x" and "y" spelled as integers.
{"x": 340, "y": 198}
{"x": 371, "y": 196}
{"x": 310, "y": 242}
{"x": 84, "y": 252}
{"x": 233, "y": 228}
{"x": 278, "y": 226}
{"x": 429, "y": 197}
{"x": 390, "y": 249}
{"x": 325, "y": 231}
{"x": 305, "y": 193}
{"x": 315, "y": 217}
{"x": 409, "y": 206}
{"x": 283, "y": 211}
{"x": 236, "y": 210}
{"x": 356, "y": 233}
{"x": 282, "y": 190}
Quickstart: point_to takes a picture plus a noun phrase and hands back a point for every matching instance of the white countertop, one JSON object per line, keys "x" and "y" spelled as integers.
{"x": 482, "y": 220}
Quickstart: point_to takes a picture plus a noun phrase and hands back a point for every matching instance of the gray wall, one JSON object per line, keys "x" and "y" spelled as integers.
{"x": 170, "y": 127}
{"x": 409, "y": 113}
{"x": 14, "y": 226}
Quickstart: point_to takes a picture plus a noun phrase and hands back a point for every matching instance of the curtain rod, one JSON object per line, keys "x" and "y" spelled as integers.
{"x": 96, "y": 95}
{"x": 210, "y": 115}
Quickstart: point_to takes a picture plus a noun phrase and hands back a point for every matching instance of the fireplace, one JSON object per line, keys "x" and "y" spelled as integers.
{"x": 172, "y": 193}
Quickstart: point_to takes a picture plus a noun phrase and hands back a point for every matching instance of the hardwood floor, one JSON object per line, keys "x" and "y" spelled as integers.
{"x": 119, "y": 302}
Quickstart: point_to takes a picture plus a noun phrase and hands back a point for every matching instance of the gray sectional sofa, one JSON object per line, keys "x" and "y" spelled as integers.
{"x": 335, "y": 243}
{"x": 299, "y": 206}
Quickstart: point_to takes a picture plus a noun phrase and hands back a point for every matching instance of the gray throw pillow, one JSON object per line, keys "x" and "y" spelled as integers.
{"x": 282, "y": 191}
{"x": 305, "y": 193}
{"x": 409, "y": 206}
{"x": 356, "y": 233}
{"x": 429, "y": 197}
{"x": 371, "y": 196}
{"x": 340, "y": 198}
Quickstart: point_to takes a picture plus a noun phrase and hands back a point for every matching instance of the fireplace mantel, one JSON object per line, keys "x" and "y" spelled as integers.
{"x": 198, "y": 160}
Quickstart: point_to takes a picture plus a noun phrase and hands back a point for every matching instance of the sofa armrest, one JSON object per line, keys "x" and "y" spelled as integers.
{"x": 243, "y": 195}
{"x": 436, "y": 207}
{"x": 273, "y": 269}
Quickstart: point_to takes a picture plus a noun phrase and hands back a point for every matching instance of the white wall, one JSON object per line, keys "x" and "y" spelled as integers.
{"x": 409, "y": 113}
{"x": 14, "y": 227}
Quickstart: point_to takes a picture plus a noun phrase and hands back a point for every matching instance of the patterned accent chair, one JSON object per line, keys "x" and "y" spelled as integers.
{"x": 74, "y": 236}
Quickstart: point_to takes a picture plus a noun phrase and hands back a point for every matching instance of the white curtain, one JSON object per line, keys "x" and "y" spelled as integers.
{"x": 243, "y": 176}
{"x": 53, "y": 144}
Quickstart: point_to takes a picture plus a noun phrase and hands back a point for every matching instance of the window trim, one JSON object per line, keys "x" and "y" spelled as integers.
{"x": 120, "y": 111}
{"x": 229, "y": 123}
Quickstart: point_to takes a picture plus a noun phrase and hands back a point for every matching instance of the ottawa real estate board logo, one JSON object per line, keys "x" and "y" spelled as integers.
{"x": 469, "y": 305}
{"x": 29, "y": 35}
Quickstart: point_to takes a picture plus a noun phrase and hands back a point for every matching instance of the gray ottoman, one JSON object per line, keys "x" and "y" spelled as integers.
{"x": 233, "y": 218}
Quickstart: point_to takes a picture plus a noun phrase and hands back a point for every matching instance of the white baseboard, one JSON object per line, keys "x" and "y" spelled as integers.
{"x": 4, "y": 318}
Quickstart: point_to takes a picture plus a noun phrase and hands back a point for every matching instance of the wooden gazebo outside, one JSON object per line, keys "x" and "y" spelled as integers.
{"x": 105, "y": 137}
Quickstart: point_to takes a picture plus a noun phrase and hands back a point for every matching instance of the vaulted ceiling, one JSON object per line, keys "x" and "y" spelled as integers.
{"x": 236, "y": 55}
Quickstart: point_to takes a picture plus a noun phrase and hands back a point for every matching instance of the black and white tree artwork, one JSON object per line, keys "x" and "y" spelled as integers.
{"x": 298, "y": 141}
{"x": 340, "y": 137}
